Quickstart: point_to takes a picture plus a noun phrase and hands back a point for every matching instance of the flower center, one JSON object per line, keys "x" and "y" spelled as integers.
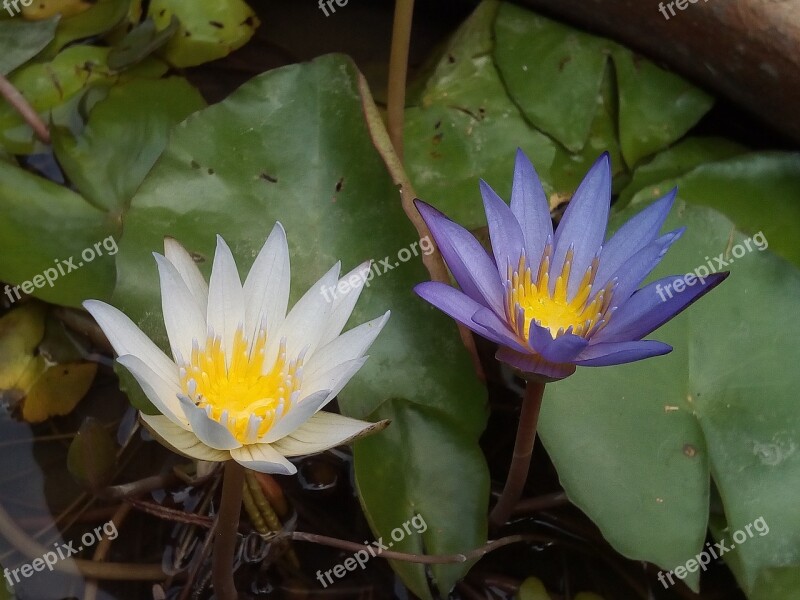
{"x": 529, "y": 299}
{"x": 244, "y": 395}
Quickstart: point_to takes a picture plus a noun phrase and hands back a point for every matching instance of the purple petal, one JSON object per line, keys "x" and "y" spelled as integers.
{"x": 652, "y": 306}
{"x": 471, "y": 266}
{"x": 456, "y": 305}
{"x": 533, "y": 363}
{"x": 617, "y": 353}
{"x": 504, "y": 230}
{"x": 639, "y": 266}
{"x": 530, "y": 207}
{"x": 583, "y": 225}
{"x": 635, "y": 234}
{"x": 503, "y": 335}
{"x": 565, "y": 348}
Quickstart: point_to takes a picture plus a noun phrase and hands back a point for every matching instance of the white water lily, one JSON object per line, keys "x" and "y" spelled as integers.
{"x": 247, "y": 380}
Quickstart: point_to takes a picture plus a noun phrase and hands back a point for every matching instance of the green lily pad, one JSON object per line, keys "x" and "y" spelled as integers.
{"x": 656, "y": 107}
{"x": 47, "y": 228}
{"x": 634, "y": 445}
{"x": 140, "y": 42}
{"x": 44, "y": 228}
{"x": 757, "y": 191}
{"x": 102, "y": 17}
{"x": 99, "y": 161}
{"x": 674, "y": 162}
{"x": 552, "y": 71}
{"x": 209, "y": 29}
{"x": 20, "y": 41}
{"x": 223, "y": 173}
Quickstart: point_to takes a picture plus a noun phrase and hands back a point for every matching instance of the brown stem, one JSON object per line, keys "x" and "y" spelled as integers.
{"x": 426, "y": 559}
{"x": 101, "y": 552}
{"x": 523, "y": 449}
{"x": 398, "y": 70}
{"x": 226, "y": 530}
{"x": 19, "y": 103}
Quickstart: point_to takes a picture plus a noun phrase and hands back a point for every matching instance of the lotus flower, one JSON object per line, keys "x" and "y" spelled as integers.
{"x": 246, "y": 381}
{"x": 556, "y": 300}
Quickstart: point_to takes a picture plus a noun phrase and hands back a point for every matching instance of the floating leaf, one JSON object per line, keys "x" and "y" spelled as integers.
{"x": 57, "y": 391}
{"x": 209, "y": 29}
{"x": 656, "y": 107}
{"x": 100, "y": 163}
{"x": 92, "y": 455}
{"x": 21, "y": 330}
{"x": 45, "y": 9}
{"x": 757, "y": 191}
{"x": 103, "y": 16}
{"x": 44, "y": 229}
{"x": 139, "y": 43}
{"x": 552, "y": 71}
{"x": 674, "y": 162}
{"x": 21, "y": 41}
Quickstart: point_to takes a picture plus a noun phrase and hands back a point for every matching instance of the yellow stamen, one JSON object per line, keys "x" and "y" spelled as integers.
{"x": 243, "y": 394}
{"x": 530, "y": 300}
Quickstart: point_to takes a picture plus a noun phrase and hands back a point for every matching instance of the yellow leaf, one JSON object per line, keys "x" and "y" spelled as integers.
{"x": 44, "y": 9}
{"x": 21, "y": 330}
{"x": 57, "y": 391}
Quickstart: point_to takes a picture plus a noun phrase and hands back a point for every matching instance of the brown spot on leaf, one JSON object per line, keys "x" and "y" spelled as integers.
{"x": 216, "y": 24}
{"x": 340, "y": 184}
{"x": 689, "y": 450}
{"x": 563, "y": 62}
{"x": 437, "y": 139}
{"x": 268, "y": 177}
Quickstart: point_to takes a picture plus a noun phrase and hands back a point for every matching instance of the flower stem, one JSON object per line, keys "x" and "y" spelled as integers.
{"x": 225, "y": 535}
{"x": 398, "y": 69}
{"x": 523, "y": 449}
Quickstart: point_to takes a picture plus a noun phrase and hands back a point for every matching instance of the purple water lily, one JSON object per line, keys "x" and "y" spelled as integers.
{"x": 557, "y": 300}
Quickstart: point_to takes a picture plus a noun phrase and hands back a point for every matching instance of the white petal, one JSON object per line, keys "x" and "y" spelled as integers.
{"x": 266, "y": 289}
{"x": 348, "y": 346}
{"x": 181, "y": 441}
{"x": 225, "y": 297}
{"x": 263, "y": 458}
{"x": 188, "y": 270}
{"x": 295, "y": 416}
{"x": 182, "y": 317}
{"x": 335, "y": 378}
{"x": 162, "y": 393}
{"x": 126, "y": 338}
{"x": 208, "y": 430}
{"x": 325, "y": 430}
{"x": 308, "y": 318}
{"x": 343, "y": 303}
